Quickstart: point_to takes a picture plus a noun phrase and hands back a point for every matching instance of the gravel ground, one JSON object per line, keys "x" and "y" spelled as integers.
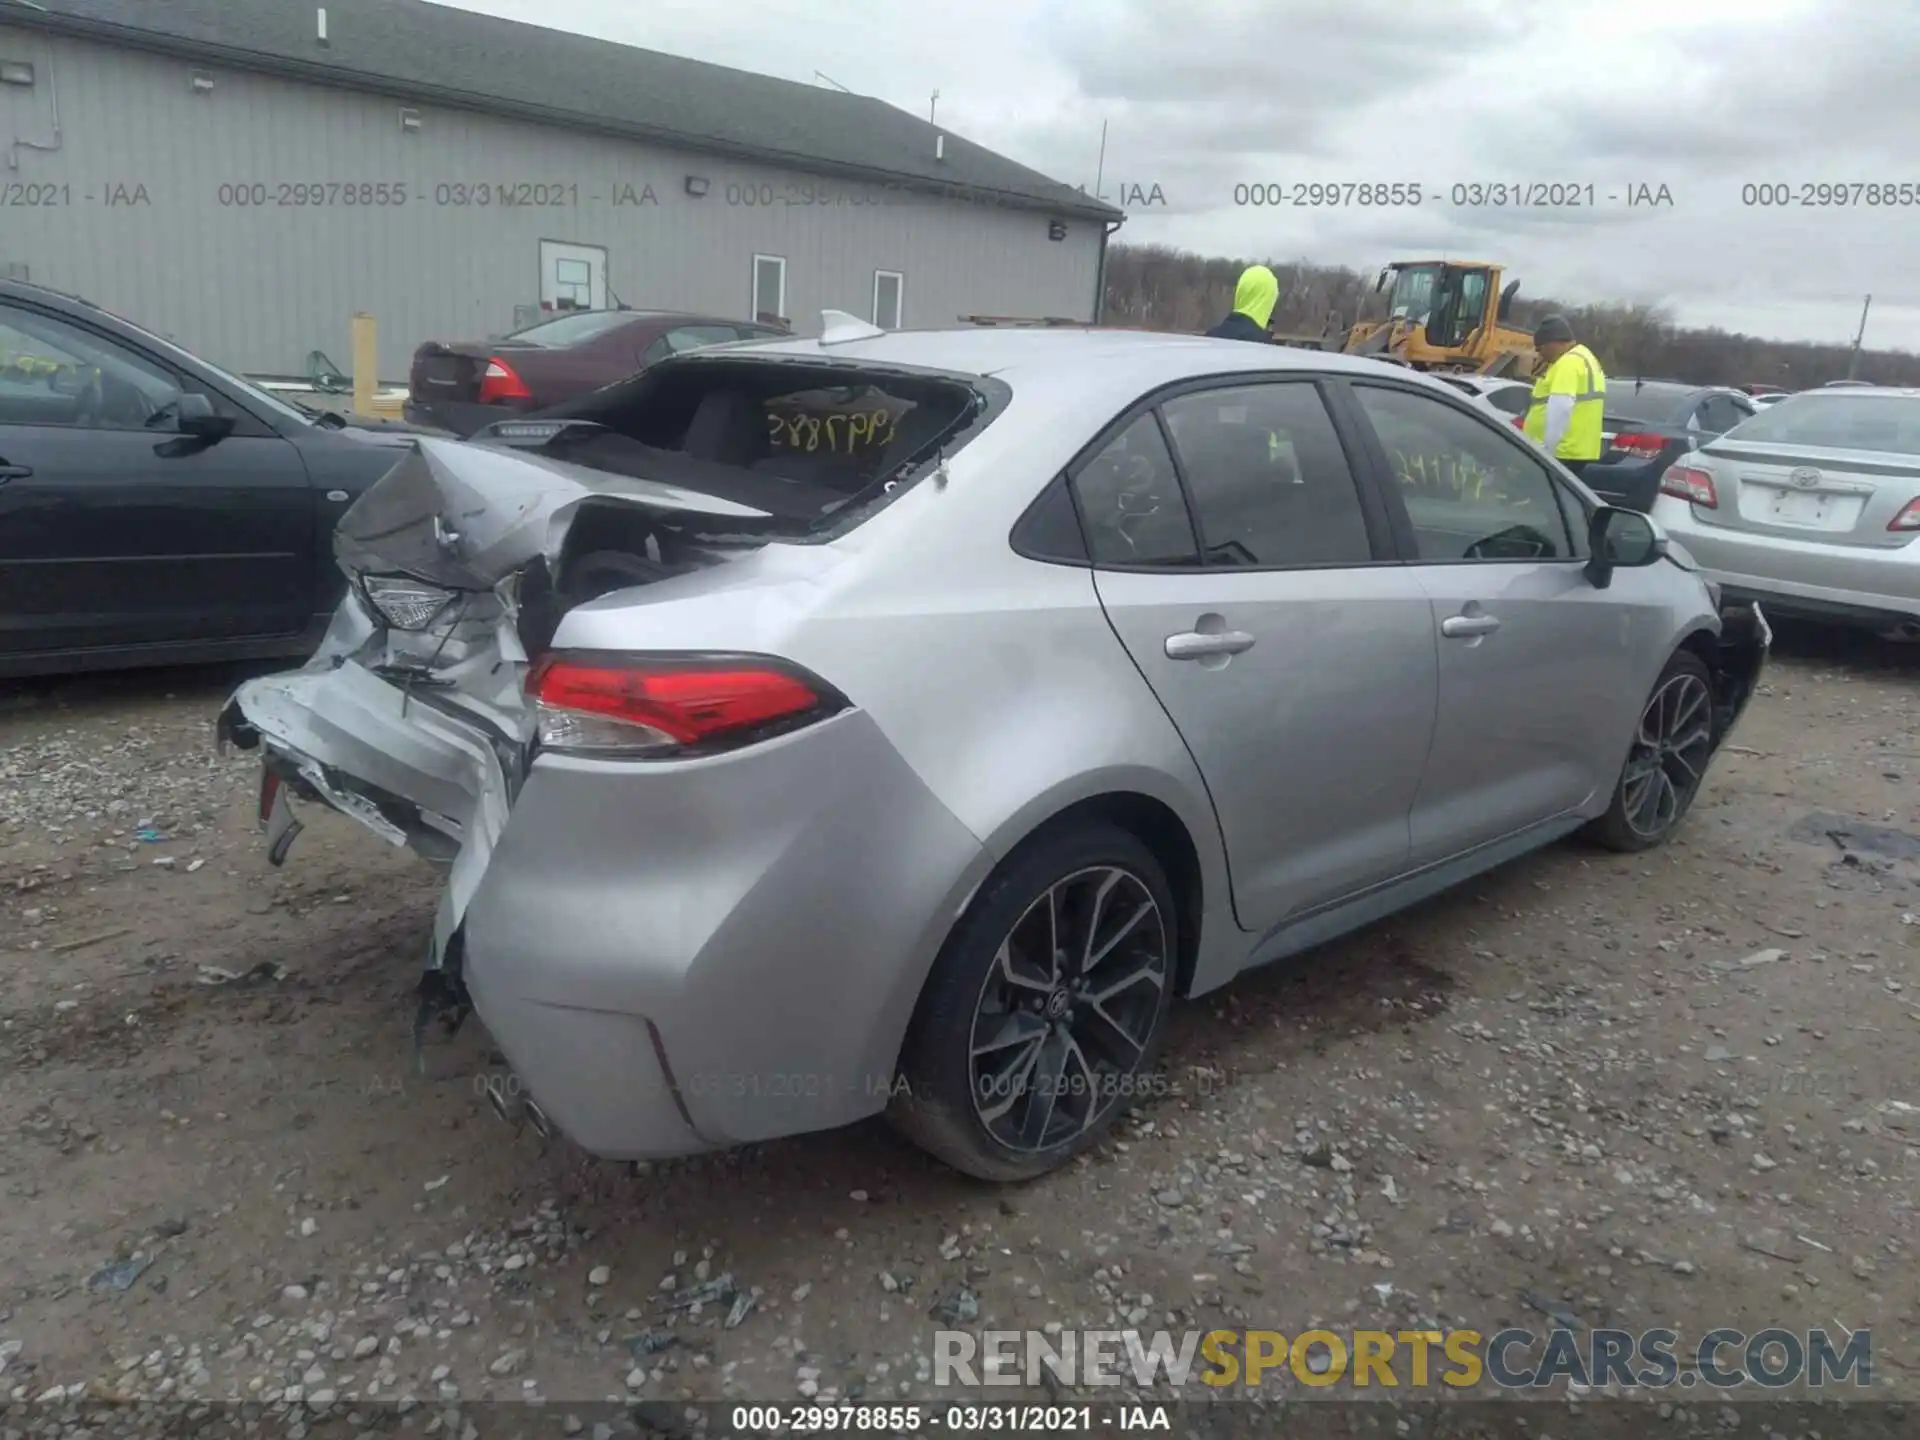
{"x": 1676, "y": 1089}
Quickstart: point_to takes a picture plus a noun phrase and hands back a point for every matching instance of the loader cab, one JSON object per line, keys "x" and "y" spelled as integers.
{"x": 1461, "y": 304}
{"x": 1410, "y": 299}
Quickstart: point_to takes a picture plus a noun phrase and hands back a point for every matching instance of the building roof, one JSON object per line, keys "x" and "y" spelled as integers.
{"x": 435, "y": 54}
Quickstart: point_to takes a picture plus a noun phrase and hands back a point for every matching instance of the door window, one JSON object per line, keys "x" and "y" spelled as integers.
{"x": 1269, "y": 481}
{"x": 55, "y": 373}
{"x": 1471, "y": 493}
{"x": 1130, "y": 501}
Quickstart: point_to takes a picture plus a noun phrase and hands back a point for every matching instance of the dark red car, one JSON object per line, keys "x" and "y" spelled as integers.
{"x": 459, "y": 386}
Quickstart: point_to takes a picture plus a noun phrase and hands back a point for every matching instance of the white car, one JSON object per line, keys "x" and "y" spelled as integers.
{"x": 1769, "y": 398}
{"x": 1507, "y": 398}
{"x": 1813, "y": 508}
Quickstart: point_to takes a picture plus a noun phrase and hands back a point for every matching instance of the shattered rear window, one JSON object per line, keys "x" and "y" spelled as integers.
{"x": 804, "y": 441}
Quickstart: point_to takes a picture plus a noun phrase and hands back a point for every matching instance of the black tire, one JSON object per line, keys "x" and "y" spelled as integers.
{"x": 1638, "y": 817}
{"x": 935, "y": 1107}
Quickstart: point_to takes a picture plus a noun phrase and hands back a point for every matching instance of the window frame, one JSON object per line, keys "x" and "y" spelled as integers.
{"x": 247, "y": 423}
{"x": 1374, "y": 511}
{"x": 899, "y": 298}
{"x": 753, "y": 297}
{"x": 1401, "y": 520}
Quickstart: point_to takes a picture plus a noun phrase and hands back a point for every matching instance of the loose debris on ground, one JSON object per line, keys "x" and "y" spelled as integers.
{"x": 1679, "y": 1089}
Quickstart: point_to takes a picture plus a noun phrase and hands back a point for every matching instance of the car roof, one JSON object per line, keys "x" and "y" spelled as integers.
{"x": 1074, "y": 362}
{"x": 653, "y": 319}
{"x": 44, "y": 294}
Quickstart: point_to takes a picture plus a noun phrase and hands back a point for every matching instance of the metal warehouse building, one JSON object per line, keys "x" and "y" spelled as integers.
{"x": 245, "y": 175}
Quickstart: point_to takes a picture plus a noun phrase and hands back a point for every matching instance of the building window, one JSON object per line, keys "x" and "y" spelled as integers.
{"x": 573, "y": 285}
{"x": 889, "y": 298}
{"x": 770, "y": 289}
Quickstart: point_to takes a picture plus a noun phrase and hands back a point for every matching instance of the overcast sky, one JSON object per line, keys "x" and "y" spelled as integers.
{"x": 1703, "y": 97}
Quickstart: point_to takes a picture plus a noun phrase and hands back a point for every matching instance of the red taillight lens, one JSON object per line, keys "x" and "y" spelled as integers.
{"x": 665, "y": 705}
{"x": 1908, "y": 518}
{"x": 1520, "y": 422}
{"x": 1686, "y": 483}
{"x": 1639, "y": 446}
{"x": 502, "y": 384}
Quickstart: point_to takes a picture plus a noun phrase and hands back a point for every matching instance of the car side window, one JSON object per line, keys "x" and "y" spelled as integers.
{"x": 1269, "y": 481}
{"x": 1470, "y": 493}
{"x": 56, "y": 373}
{"x": 1718, "y": 414}
{"x": 1512, "y": 399}
{"x": 1131, "y": 504}
{"x": 694, "y": 337}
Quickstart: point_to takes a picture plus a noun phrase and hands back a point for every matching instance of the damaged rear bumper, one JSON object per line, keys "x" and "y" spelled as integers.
{"x": 412, "y": 767}
{"x": 662, "y": 978}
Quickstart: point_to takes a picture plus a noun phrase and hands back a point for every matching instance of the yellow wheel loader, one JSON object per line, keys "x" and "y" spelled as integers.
{"x": 1441, "y": 315}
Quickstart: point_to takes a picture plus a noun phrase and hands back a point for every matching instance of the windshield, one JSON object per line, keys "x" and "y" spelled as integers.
{"x": 1886, "y": 424}
{"x": 575, "y": 329}
{"x": 1412, "y": 297}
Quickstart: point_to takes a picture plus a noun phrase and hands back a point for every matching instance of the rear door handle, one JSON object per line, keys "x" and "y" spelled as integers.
{"x": 1196, "y": 645}
{"x": 13, "y": 472}
{"x": 1463, "y": 627}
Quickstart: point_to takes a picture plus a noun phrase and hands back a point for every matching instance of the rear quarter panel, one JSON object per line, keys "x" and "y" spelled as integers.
{"x": 996, "y": 678}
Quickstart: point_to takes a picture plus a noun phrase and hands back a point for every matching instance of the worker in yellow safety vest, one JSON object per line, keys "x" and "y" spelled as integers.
{"x": 1569, "y": 397}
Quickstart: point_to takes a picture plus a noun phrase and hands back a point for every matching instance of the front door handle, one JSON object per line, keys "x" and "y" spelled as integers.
{"x": 1464, "y": 627}
{"x": 13, "y": 472}
{"x": 1197, "y": 645}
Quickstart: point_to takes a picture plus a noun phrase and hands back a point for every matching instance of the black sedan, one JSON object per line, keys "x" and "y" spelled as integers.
{"x": 1648, "y": 425}
{"x": 155, "y": 509}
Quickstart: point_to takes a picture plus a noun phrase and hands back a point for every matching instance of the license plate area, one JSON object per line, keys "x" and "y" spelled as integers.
{"x": 1822, "y": 510}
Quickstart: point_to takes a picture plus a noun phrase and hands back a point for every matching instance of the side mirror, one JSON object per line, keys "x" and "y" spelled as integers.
{"x": 195, "y": 416}
{"x": 1621, "y": 540}
{"x": 1380, "y": 282}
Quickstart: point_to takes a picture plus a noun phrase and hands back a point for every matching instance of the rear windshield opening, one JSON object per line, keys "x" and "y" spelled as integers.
{"x": 802, "y": 442}
{"x": 1885, "y": 424}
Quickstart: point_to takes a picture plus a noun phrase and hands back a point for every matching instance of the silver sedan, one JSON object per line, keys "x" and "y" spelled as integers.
{"x": 901, "y": 722}
{"x": 1813, "y": 506}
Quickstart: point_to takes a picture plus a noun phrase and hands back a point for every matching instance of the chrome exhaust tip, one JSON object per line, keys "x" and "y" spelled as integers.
{"x": 542, "y": 1126}
{"x": 506, "y": 1106}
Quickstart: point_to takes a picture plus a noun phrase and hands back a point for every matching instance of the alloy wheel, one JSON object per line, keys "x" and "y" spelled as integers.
{"x": 1068, "y": 1009}
{"x": 1669, "y": 756}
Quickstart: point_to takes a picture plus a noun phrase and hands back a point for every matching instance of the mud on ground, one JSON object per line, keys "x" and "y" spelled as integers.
{"x": 1676, "y": 1089}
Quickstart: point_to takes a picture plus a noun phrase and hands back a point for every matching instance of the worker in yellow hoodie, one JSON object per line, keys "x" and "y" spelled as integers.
{"x": 1253, "y": 301}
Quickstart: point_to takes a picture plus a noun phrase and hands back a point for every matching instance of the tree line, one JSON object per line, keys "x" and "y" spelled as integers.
{"x": 1156, "y": 287}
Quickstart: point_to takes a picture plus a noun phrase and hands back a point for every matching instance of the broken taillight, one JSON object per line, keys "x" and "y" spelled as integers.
{"x": 663, "y": 706}
{"x": 1908, "y": 518}
{"x": 501, "y": 384}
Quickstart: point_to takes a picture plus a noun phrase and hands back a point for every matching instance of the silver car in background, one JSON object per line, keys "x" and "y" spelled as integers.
{"x": 901, "y": 722}
{"x": 1812, "y": 506}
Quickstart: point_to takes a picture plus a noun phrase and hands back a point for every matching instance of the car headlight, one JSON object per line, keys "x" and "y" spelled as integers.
{"x": 405, "y": 603}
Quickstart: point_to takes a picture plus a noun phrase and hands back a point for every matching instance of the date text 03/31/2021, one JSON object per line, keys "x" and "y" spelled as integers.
{"x": 1466, "y": 195}
{"x": 965, "y": 1419}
